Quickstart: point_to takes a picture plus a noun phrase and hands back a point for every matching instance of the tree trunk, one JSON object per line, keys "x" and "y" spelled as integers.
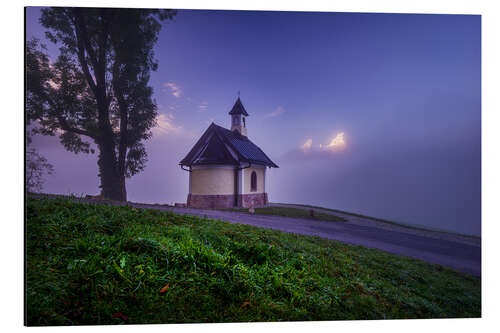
{"x": 112, "y": 183}
{"x": 123, "y": 188}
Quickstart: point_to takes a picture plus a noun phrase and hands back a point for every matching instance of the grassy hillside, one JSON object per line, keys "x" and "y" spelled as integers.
{"x": 97, "y": 264}
{"x": 405, "y": 225}
{"x": 292, "y": 212}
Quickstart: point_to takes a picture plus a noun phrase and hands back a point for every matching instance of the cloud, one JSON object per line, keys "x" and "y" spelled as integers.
{"x": 337, "y": 142}
{"x": 279, "y": 111}
{"x": 307, "y": 145}
{"x": 165, "y": 125}
{"x": 321, "y": 151}
{"x": 391, "y": 180}
{"x": 174, "y": 88}
{"x": 203, "y": 106}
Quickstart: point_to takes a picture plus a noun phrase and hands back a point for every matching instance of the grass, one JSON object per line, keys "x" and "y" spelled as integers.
{"x": 410, "y": 226}
{"x": 292, "y": 212}
{"x": 99, "y": 264}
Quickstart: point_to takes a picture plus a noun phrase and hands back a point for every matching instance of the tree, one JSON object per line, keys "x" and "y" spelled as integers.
{"x": 36, "y": 167}
{"x": 97, "y": 90}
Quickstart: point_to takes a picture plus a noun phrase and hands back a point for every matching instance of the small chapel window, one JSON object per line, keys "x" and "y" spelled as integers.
{"x": 253, "y": 181}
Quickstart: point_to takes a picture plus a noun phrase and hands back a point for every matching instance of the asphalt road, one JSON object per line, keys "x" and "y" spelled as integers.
{"x": 454, "y": 251}
{"x": 434, "y": 247}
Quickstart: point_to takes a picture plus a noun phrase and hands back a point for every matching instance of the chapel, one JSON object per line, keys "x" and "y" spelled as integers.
{"x": 225, "y": 168}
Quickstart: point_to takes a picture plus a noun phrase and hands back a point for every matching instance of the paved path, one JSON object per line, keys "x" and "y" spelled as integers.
{"x": 454, "y": 251}
{"x": 457, "y": 252}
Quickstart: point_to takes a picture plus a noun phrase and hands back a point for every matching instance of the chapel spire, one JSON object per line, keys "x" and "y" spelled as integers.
{"x": 238, "y": 114}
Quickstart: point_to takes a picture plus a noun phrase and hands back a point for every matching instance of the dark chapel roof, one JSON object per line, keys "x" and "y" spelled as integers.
{"x": 238, "y": 108}
{"x": 221, "y": 146}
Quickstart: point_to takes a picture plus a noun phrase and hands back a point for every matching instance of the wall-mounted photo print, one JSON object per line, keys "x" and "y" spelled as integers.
{"x": 222, "y": 166}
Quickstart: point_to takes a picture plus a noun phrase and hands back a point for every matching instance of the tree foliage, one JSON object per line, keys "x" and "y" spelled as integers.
{"x": 96, "y": 93}
{"x": 36, "y": 167}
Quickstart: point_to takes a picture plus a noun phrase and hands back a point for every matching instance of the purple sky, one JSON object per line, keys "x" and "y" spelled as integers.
{"x": 405, "y": 91}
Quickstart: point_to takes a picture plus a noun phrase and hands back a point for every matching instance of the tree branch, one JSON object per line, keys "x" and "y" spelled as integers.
{"x": 85, "y": 36}
{"x": 99, "y": 66}
{"x": 64, "y": 123}
{"x": 65, "y": 126}
{"x": 82, "y": 58}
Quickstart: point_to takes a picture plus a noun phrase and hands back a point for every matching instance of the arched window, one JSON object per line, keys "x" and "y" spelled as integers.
{"x": 253, "y": 181}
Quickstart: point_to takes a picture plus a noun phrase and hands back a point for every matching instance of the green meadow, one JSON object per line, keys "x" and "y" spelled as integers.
{"x": 97, "y": 264}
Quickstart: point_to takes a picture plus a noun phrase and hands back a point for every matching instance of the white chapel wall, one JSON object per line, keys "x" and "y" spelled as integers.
{"x": 212, "y": 180}
{"x": 260, "y": 171}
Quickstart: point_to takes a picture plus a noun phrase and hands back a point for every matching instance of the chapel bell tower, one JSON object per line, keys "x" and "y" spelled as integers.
{"x": 238, "y": 114}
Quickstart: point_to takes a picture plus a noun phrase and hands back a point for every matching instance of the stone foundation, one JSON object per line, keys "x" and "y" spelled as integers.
{"x": 226, "y": 201}
{"x": 255, "y": 200}
{"x": 210, "y": 201}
